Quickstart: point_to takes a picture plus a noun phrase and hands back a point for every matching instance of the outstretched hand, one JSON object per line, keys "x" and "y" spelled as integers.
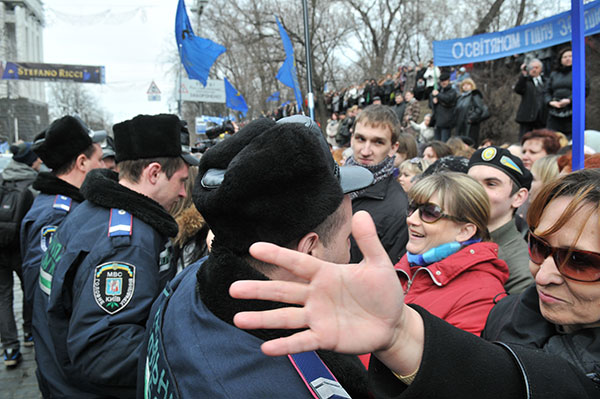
{"x": 356, "y": 308}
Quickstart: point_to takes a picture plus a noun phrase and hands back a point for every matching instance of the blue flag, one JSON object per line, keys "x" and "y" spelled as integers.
{"x": 287, "y": 73}
{"x": 197, "y": 54}
{"x": 273, "y": 97}
{"x": 234, "y": 98}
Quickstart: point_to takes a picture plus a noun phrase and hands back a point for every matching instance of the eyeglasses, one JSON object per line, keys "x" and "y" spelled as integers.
{"x": 573, "y": 264}
{"x": 429, "y": 213}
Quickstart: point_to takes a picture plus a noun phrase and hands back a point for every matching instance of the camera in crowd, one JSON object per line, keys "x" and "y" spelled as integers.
{"x": 214, "y": 132}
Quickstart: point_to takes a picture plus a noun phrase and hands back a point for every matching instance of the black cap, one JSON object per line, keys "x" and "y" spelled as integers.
{"x": 22, "y": 153}
{"x": 271, "y": 182}
{"x": 64, "y": 140}
{"x": 503, "y": 160}
{"x": 444, "y": 76}
{"x": 150, "y": 136}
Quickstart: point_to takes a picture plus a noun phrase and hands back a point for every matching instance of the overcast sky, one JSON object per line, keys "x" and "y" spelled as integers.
{"x": 133, "y": 44}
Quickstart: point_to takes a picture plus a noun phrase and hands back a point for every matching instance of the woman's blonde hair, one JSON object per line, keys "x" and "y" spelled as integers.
{"x": 460, "y": 196}
{"x": 415, "y": 166}
{"x": 546, "y": 169}
{"x": 467, "y": 80}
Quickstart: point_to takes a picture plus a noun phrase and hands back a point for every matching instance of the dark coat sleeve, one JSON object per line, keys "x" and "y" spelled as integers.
{"x": 457, "y": 364}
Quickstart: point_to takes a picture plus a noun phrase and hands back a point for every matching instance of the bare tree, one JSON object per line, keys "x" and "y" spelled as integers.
{"x": 69, "y": 98}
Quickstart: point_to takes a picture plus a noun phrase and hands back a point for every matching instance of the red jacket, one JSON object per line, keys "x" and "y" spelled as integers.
{"x": 459, "y": 289}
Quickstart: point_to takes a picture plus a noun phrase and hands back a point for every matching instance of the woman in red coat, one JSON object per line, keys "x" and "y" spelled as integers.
{"x": 450, "y": 268}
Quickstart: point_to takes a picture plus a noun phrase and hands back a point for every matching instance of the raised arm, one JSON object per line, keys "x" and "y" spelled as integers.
{"x": 357, "y": 308}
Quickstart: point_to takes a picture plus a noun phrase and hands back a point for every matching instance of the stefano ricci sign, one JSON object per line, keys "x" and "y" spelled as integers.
{"x": 52, "y": 72}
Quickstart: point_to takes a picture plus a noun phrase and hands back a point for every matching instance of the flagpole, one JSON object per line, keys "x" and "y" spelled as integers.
{"x": 180, "y": 80}
{"x": 311, "y": 101}
{"x": 578, "y": 83}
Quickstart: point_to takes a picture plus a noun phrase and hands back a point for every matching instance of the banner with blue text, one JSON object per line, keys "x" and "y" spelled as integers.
{"x": 521, "y": 39}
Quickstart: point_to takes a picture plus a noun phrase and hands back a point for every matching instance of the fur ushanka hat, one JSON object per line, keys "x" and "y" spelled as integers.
{"x": 272, "y": 182}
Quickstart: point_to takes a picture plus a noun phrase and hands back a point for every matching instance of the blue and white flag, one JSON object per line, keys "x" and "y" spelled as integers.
{"x": 273, "y": 97}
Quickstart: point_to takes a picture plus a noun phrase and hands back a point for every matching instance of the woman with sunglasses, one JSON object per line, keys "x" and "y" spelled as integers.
{"x": 450, "y": 268}
{"x": 560, "y": 314}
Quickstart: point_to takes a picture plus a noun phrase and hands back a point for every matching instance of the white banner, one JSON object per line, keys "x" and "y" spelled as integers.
{"x": 192, "y": 90}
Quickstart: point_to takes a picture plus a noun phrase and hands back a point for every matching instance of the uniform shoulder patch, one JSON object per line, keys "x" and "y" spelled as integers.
{"x": 114, "y": 284}
{"x": 46, "y": 235}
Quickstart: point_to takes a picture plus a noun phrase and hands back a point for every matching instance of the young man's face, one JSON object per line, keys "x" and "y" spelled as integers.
{"x": 170, "y": 190}
{"x": 371, "y": 145}
{"x": 338, "y": 248}
{"x": 95, "y": 161}
{"x": 498, "y": 186}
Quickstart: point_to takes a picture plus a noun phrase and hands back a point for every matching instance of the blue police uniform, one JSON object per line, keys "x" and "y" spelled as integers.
{"x": 56, "y": 199}
{"x": 192, "y": 352}
{"x": 106, "y": 264}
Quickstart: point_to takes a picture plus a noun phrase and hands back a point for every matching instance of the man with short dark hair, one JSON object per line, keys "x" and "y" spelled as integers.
{"x": 272, "y": 182}
{"x": 109, "y": 260}
{"x": 507, "y": 183}
{"x": 374, "y": 144}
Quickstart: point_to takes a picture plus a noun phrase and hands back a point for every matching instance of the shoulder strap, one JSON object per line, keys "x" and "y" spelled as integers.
{"x": 319, "y": 380}
{"x": 120, "y": 223}
{"x": 62, "y": 202}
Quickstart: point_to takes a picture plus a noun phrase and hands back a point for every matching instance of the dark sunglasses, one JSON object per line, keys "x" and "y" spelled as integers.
{"x": 573, "y": 264}
{"x": 429, "y": 213}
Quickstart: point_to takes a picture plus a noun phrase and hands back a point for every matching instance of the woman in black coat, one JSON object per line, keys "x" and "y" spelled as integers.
{"x": 470, "y": 110}
{"x": 558, "y": 95}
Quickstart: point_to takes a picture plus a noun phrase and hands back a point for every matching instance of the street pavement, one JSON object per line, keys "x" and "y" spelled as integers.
{"x": 20, "y": 382}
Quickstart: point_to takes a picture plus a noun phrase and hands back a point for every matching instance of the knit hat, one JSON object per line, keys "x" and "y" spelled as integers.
{"x": 271, "y": 182}
{"x": 150, "y": 136}
{"x": 64, "y": 140}
{"x": 503, "y": 160}
{"x": 22, "y": 153}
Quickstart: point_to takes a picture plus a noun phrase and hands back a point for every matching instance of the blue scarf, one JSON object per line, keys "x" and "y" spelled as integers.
{"x": 438, "y": 253}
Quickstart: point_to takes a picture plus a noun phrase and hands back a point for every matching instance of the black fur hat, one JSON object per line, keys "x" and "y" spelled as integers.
{"x": 271, "y": 182}
{"x": 64, "y": 140}
{"x": 150, "y": 136}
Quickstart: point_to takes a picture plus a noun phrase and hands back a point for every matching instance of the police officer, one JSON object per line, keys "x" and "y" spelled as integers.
{"x": 108, "y": 261}
{"x": 71, "y": 150}
{"x": 274, "y": 182}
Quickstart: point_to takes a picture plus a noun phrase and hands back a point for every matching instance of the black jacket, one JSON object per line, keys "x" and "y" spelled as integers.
{"x": 533, "y": 107}
{"x": 457, "y": 364}
{"x": 443, "y": 111}
{"x": 386, "y": 202}
{"x": 559, "y": 87}
{"x": 468, "y": 112}
{"x": 517, "y": 319}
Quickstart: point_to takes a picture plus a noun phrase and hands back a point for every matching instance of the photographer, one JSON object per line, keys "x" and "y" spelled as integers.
{"x": 532, "y": 112}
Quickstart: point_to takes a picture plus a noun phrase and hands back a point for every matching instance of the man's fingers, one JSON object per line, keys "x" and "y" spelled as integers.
{"x": 286, "y": 318}
{"x": 300, "y": 342}
{"x": 278, "y": 291}
{"x": 301, "y": 265}
{"x": 365, "y": 234}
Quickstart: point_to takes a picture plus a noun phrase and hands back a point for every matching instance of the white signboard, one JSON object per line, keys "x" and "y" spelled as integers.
{"x": 192, "y": 90}
{"x": 200, "y": 125}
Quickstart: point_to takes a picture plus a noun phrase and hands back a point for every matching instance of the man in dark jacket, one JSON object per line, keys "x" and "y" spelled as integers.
{"x": 71, "y": 150}
{"x": 532, "y": 112}
{"x": 109, "y": 260}
{"x": 442, "y": 103}
{"x": 374, "y": 143}
{"x": 244, "y": 192}
{"x": 19, "y": 173}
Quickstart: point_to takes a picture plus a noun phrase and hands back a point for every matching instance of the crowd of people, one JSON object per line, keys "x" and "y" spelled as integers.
{"x": 468, "y": 270}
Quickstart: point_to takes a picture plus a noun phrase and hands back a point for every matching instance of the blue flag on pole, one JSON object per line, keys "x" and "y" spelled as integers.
{"x": 287, "y": 73}
{"x": 273, "y": 97}
{"x": 234, "y": 98}
{"x": 197, "y": 54}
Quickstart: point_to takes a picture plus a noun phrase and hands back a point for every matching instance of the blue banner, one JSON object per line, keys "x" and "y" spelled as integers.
{"x": 521, "y": 39}
{"x": 197, "y": 53}
{"x": 235, "y": 100}
{"x": 273, "y": 97}
{"x": 287, "y": 73}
